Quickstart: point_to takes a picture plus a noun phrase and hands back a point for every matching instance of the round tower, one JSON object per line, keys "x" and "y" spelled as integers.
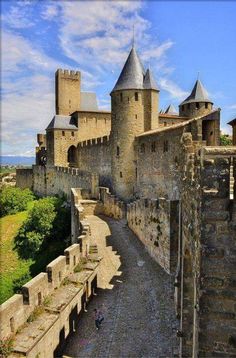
{"x": 133, "y": 93}
{"x": 197, "y": 104}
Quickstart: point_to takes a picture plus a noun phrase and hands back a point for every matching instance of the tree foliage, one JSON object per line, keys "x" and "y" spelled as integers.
{"x": 13, "y": 200}
{"x": 225, "y": 139}
{"x": 48, "y": 219}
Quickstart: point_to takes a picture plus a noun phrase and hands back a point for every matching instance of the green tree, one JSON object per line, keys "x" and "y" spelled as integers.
{"x": 48, "y": 220}
{"x": 13, "y": 200}
{"x": 225, "y": 139}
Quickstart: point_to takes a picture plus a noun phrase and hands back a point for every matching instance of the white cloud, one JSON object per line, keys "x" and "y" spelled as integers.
{"x": 50, "y": 12}
{"x": 233, "y": 106}
{"x": 172, "y": 88}
{"x": 17, "y": 17}
{"x": 226, "y": 130}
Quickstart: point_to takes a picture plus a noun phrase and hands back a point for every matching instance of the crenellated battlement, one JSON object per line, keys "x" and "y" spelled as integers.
{"x": 68, "y": 73}
{"x": 94, "y": 141}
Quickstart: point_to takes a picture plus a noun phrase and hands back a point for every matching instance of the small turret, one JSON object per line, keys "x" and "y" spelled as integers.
{"x": 197, "y": 104}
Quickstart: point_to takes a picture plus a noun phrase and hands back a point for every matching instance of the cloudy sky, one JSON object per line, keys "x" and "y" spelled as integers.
{"x": 177, "y": 39}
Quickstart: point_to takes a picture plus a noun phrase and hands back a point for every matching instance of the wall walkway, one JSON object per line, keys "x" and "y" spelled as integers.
{"x": 136, "y": 298}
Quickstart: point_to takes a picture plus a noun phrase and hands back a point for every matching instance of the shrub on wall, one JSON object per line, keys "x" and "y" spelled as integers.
{"x": 14, "y": 200}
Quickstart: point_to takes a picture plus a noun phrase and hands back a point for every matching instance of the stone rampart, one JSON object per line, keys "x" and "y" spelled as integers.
{"x": 60, "y": 180}
{"x": 207, "y": 256}
{"x": 155, "y": 222}
{"x": 24, "y": 178}
{"x": 46, "y": 312}
{"x": 112, "y": 206}
{"x": 94, "y": 155}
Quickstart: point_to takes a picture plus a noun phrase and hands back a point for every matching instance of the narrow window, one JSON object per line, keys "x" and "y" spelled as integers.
{"x": 165, "y": 146}
{"x": 63, "y": 133}
{"x": 183, "y": 107}
{"x": 153, "y": 147}
{"x": 188, "y": 106}
{"x": 12, "y": 325}
{"x": 142, "y": 148}
{"x": 128, "y": 99}
{"x": 74, "y": 258}
{"x": 121, "y": 97}
{"x": 73, "y": 134}
{"x": 117, "y": 151}
{"x": 197, "y": 105}
{"x": 136, "y": 96}
{"x": 136, "y": 116}
{"x": 136, "y": 172}
{"x": 206, "y": 105}
{"x": 39, "y": 298}
{"x": 121, "y": 175}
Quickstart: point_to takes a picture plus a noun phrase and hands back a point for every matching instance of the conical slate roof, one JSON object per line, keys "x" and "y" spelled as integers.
{"x": 198, "y": 94}
{"x": 171, "y": 110}
{"x": 131, "y": 76}
{"x": 149, "y": 81}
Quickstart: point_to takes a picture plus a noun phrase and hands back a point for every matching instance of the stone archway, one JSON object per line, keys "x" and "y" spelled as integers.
{"x": 71, "y": 156}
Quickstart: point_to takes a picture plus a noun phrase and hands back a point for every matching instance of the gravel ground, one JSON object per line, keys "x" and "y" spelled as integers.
{"x": 136, "y": 298}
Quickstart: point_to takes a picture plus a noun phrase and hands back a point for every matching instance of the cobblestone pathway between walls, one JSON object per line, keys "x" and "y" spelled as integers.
{"x": 136, "y": 299}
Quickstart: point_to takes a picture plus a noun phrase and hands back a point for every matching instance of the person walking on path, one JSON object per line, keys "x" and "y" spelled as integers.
{"x": 98, "y": 317}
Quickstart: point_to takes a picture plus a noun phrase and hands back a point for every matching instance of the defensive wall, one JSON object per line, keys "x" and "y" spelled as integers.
{"x": 45, "y": 180}
{"x": 155, "y": 222}
{"x": 94, "y": 155}
{"x": 40, "y": 318}
{"x": 205, "y": 280}
{"x": 24, "y": 178}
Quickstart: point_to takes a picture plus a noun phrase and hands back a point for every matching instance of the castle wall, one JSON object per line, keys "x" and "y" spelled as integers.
{"x": 95, "y": 156}
{"x": 207, "y": 257}
{"x": 158, "y": 164}
{"x": 155, "y": 222}
{"x": 59, "y": 181}
{"x": 112, "y": 206}
{"x": 24, "y": 178}
{"x": 93, "y": 125}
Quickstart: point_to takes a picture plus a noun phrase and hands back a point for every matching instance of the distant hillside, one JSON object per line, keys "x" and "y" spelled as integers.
{"x": 15, "y": 160}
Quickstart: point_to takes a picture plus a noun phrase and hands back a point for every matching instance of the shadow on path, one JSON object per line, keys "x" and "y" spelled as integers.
{"x": 136, "y": 299}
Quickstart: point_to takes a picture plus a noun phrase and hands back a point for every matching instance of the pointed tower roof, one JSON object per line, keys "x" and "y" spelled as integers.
{"x": 149, "y": 81}
{"x": 171, "y": 110}
{"x": 198, "y": 94}
{"x": 131, "y": 76}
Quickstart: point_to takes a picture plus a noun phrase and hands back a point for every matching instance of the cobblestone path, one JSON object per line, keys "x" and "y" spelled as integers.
{"x": 136, "y": 299}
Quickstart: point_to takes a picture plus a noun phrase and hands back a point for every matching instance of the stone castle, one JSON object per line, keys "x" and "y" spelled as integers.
{"x": 167, "y": 175}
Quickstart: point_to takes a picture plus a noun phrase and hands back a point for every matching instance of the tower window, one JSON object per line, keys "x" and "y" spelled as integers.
{"x": 73, "y": 134}
{"x": 12, "y": 325}
{"x": 188, "y": 106}
{"x": 39, "y": 298}
{"x": 165, "y": 146}
{"x": 197, "y": 105}
{"x": 63, "y": 133}
{"x": 153, "y": 147}
{"x": 136, "y": 116}
{"x": 142, "y": 148}
{"x": 118, "y": 151}
{"x": 121, "y": 175}
{"x": 121, "y": 97}
{"x": 206, "y": 105}
{"x": 136, "y": 96}
{"x": 183, "y": 107}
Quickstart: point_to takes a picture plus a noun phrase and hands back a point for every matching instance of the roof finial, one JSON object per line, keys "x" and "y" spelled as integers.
{"x": 133, "y": 37}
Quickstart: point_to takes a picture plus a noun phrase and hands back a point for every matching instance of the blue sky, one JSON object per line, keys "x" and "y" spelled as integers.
{"x": 177, "y": 39}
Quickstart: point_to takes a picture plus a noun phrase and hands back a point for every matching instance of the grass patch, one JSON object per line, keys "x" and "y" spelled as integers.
{"x": 11, "y": 266}
{"x": 4, "y": 170}
{"x": 36, "y": 312}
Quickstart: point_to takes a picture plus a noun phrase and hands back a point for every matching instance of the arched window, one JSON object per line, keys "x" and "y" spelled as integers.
{"x": 71, "y": 155}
